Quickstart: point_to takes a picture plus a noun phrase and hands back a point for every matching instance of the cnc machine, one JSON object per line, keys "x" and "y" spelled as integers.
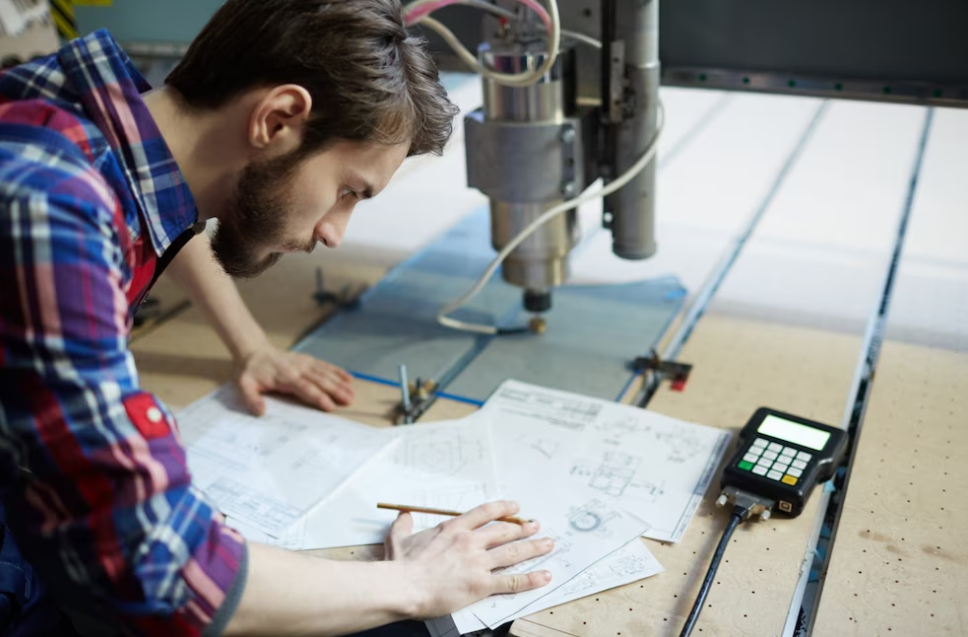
{"x": 531, "y": 148}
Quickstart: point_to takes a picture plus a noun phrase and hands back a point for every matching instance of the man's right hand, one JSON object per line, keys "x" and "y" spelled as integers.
{"x": 426, "y": 574}
{"x": 452, "y": 565}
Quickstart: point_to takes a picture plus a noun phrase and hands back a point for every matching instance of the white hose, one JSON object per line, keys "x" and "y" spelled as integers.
{"x": 506, "y": 79}
{"x": 585, "y": 197}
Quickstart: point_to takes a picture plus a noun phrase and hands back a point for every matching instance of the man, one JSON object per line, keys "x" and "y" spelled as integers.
{"x": 282, "y": 115}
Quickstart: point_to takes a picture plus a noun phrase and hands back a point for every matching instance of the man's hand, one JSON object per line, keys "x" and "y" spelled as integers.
{"x": 315, "y": 382}
{"x": 451, "y": 566}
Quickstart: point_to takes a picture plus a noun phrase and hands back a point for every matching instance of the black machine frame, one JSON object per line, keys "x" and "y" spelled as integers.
{"x": 883, "y": 50}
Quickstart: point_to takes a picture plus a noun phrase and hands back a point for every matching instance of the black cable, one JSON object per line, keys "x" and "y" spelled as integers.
{"x": 739, "y": 514}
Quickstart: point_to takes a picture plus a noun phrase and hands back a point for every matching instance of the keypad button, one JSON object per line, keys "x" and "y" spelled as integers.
{"x": 770, "y": 455}
{"x": 788, "y": 479}
{"x": 751, "y": 457}
{"x": 803, "y": 455}
{"x": 774, "y": 475}
{"x": 780, "y": 466}
{"x": 763, "y": 465}
{"x": 796, "y": 473}
{"x": 759, "y": 442}
{"x": 775, "y": 446}
{"x": 760, "y": 470}
{"x": 745, "y": 466}
{"x": 788, "y": 451}
{"x": 799, "y": 464}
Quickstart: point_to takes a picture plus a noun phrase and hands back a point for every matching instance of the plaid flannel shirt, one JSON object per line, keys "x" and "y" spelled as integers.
{"x": 92, "y": 470}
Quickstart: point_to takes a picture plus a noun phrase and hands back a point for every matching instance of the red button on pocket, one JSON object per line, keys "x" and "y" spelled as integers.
{"x": 147, "y": 416}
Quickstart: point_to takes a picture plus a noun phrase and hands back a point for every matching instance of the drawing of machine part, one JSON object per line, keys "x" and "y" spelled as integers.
{"x": 547, "y": 447}
{"x": 592, "y": 517}
{"x": 612, "y": 475}
{"x": 627, "y": 566}
{"x": 443, "y": 456}
{"x": 682, "y": 446}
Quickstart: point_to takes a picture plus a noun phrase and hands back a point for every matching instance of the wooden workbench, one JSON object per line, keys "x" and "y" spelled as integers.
{"x": 756, "y": 345}
{"x": 899, "y": 565}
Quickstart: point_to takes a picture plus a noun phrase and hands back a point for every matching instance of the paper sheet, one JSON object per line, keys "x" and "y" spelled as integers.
{"x": 656, "y": 467}
{"x": 266, "y": 473}
{"x": 630, "y": 563}
{"x": 584, "y": 534}
{"x": 448, "y": 465}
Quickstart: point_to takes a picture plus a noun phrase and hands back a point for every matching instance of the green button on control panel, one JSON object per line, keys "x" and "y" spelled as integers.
{"x": 745, "y": 466}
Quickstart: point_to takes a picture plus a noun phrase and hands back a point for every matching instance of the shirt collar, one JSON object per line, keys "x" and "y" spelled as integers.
{"x": 110, "y": 87}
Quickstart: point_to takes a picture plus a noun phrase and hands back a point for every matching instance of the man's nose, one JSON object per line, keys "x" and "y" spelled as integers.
{"x": 332, "y": 229}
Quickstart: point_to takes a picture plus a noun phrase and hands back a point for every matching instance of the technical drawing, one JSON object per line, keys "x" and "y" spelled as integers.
{"x": 570, "y": 412}
{"x": 683, "y": 445}
{"x": 583, "y": 582}
{"x": 456, "y": 498}
{"x": 440, "y": 455}
{"x": 592, "y": 517}
{"x": 253, "y": 507}
{"x": 546, "y": 447}
{"x": 585, "y": 521}
{"x": 627, "y": 566}
{"x": 613, "y": 475}
{"x": 625, "y": 425}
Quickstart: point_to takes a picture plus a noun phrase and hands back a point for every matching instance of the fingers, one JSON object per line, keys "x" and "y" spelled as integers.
{"x": 516, "y": 552}
{"x": 328, "y": 369}
{"x": 504, "y": 532}
{"x": 252, "y": 395}
{"x": 403, "y": 526}
{"x": 520, "y": 583}
{"x": 340, "y": 392}
{"x": 310, "y": 393}
{"x": 401, "y": 529}
{"x": 479, "y": 516}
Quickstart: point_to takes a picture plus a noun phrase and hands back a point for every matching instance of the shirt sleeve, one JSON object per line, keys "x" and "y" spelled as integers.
{"x": 103, "y": 503}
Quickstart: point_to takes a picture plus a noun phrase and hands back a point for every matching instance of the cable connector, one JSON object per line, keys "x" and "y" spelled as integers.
{"x": 746, "y": 504}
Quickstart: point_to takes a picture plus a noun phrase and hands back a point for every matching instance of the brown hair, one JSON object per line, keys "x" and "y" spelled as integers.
{"x": 370, "y": 79}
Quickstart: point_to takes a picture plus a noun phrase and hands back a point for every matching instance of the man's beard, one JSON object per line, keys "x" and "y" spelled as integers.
{"x": 255, "y": 218}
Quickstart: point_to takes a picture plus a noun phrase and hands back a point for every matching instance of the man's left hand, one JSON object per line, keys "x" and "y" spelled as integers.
{"x": 315, "y": 382}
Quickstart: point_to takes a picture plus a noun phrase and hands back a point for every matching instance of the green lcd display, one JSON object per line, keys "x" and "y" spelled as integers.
{"x": 794, "y": 432}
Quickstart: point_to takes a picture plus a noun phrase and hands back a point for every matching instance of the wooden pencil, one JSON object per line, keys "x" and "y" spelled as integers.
{"x": 410, "y": 509}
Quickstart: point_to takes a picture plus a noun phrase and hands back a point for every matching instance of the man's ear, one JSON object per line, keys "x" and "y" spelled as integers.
{"x": 278, "y": 118}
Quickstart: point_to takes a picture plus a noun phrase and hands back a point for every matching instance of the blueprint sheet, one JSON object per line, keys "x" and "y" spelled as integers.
{"x": 584, "y": 534}
{"x": 265, "y": 474}
{"x": 630, "y": 563}
{"x": 653, "y": 466}
{"x": 447, "y": 465}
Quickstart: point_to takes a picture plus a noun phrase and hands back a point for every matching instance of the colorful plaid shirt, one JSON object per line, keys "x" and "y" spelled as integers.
{"x": 92, "y": 470}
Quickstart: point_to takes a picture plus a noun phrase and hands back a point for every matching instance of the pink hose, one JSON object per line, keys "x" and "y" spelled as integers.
{"x": 412, "y": 17}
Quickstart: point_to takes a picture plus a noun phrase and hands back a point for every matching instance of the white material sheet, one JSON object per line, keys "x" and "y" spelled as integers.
{"x": 655, "y": 467}
{"x": 447, "y": 465}
{"x": 630, "y": 563}
{"x": 584, "y": 534}
{"x": 267, "y": 473}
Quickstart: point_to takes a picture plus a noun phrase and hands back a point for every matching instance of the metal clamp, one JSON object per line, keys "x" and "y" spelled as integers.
{"x": 415, "y": 398}
{"x": 676, "y": 372}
